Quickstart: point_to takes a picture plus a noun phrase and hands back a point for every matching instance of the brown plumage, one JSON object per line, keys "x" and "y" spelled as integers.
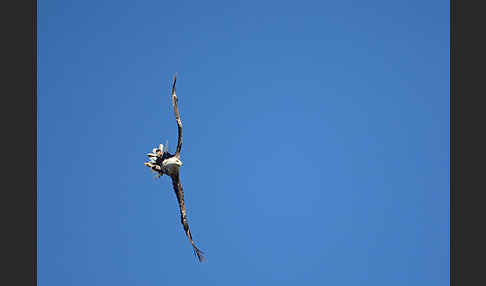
{"x": 176, "y": 183}
{"x": 178, "y": 119}
{"x": 162, "y": 162}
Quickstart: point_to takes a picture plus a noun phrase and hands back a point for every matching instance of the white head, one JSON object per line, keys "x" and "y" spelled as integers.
{"x": 171, "y": 164}
{"x": 178, "y": 162}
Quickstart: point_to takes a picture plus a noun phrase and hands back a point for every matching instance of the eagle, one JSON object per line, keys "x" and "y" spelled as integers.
{"x": 162, "y": 162}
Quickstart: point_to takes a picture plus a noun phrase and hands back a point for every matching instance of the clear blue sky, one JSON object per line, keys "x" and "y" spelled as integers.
{"x": 316, "y": 142}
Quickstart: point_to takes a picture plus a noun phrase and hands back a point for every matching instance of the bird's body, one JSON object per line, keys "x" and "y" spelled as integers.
{"x": 162, "y": 162}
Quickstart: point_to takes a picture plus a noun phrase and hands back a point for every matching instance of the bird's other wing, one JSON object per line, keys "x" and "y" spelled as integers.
{"x": 178, "y": 119}
{"x": 176, "y": 183}
{"x": 166, "y": 147}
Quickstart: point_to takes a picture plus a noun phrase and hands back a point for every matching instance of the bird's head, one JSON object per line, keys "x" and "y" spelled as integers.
{"x": 172, "y": 162}
{"x": 178, "y": 162}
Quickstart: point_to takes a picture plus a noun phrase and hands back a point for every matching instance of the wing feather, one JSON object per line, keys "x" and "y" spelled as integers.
{"x": 178, "y": 119}
{"x": 176, "y": 183}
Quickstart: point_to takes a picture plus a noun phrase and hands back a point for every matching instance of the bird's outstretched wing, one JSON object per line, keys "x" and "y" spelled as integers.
{"x": 176, "y": 183}
{"x": 178, "y": 119}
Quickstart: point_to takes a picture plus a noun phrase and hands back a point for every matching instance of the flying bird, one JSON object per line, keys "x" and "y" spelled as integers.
{"x": 162, "y": 162}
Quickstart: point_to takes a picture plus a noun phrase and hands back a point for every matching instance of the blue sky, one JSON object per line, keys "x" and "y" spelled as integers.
{"x": 316, "y": 142}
